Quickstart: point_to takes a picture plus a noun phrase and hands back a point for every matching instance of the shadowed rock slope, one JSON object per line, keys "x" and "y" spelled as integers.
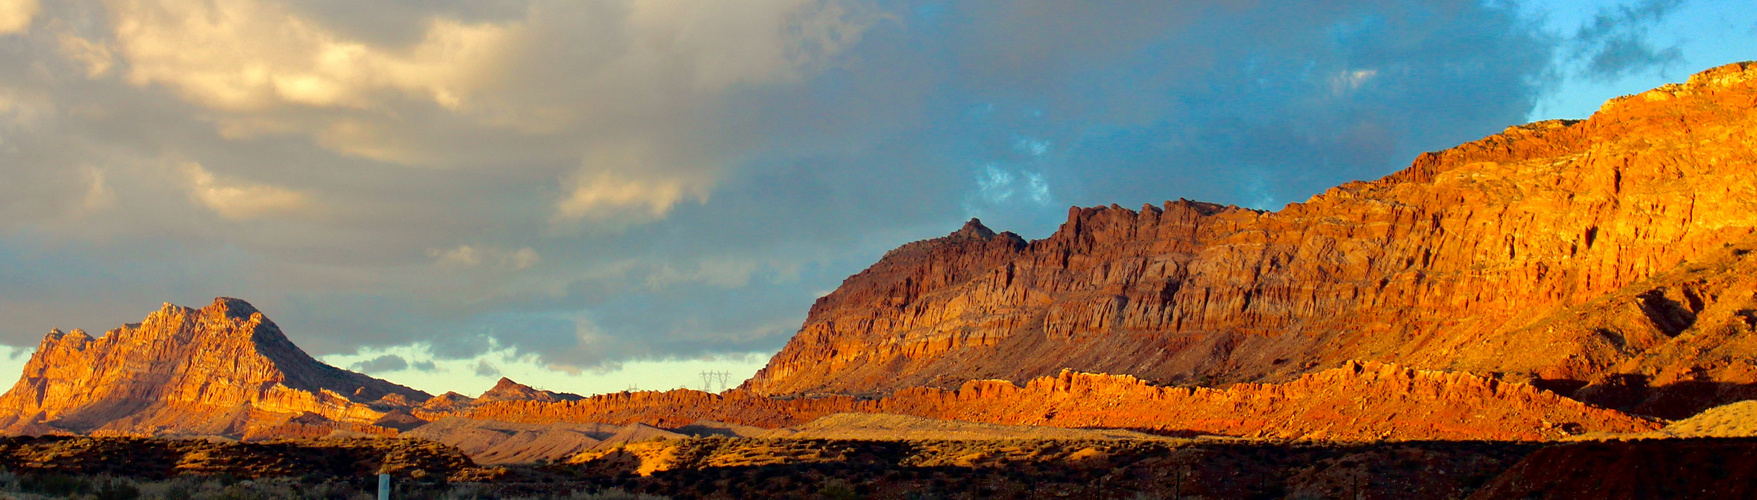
{"x": 222, "y": 370}
{"x": 1670, "y": 468}
{"x": 1609, "y": 258}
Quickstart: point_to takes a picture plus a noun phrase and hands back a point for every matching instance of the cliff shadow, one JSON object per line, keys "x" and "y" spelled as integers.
{"x": 1633, "y": 393}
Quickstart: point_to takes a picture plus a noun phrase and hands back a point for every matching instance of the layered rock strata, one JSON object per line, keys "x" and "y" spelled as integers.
{"x": 1558, "y": 252}
{"x": 222, "y": 370}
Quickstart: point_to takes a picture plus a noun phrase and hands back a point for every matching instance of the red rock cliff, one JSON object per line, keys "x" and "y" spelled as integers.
{"x": 223, "y": 370}
{"x": 1485, "y": 257}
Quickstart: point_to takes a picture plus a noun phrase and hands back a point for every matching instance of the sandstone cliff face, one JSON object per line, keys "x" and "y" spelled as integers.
{"x": 223, "y": 370}
{"x": 1487, "y": 257}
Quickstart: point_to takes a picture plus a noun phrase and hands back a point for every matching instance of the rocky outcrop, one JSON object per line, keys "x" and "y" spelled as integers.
{"x": 1540, "y": 253}
{"x": 222, "y": 370}
{"x": 1356, "y": 402}
{"x": 507, "y": 390}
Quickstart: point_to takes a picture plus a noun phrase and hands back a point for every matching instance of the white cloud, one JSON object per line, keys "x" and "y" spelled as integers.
{"x": 250, "y": 55}
{"x": 633, "y": 91}
{"x": 98, "y": 194}
{"x": 715, "y": 271}
{"x": 1351, "y": 80}
{"x": 462, "y": 256}
{"x": 1037, "y": 188}
{"x": 523, "y": 258}
{"x": 994, "y": 185}
{"x": 15, "y": 15}
{"x": 24, "y": 109}
{"x": 608, "y": 194}
{"x": 97, "y": 58}
{"x": 240, "y": 200}
{"x": 1033, "y": 147}
{"x": 730, "y": 43}
{"x": 467, "y": 256}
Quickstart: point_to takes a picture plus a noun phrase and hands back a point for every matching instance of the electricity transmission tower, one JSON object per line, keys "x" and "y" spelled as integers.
{"x": 711, "y": 380}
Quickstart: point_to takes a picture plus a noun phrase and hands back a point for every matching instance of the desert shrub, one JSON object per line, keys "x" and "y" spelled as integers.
{"x": 610, "y": 494}
{"x": 177, "y": 488}
{"x": 466, "y": 492}
{"x": 116, "y": 488}
{"x": 60, "y": 485}
{"x": 838, "y": 490}
{"x": 328, "y": 489}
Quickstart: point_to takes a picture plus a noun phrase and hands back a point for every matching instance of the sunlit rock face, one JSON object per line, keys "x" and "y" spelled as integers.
{"x": 507, "y": 390}
{"x": 1354, "y": 402}
{"x": 222, "y": 370}
{"x": 1612, "y": 253}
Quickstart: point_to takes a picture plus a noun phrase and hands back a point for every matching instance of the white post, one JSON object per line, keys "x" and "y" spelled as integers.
{"x": 384, "y": 487}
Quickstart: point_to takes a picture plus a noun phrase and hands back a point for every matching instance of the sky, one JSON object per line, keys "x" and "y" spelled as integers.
{"x": 596, "y": 196}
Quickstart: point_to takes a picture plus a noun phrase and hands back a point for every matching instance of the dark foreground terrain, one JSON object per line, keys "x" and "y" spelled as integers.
{"x": 127, "y": 468}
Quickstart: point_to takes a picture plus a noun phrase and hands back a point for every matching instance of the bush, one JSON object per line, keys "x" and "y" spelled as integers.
{"x": 59, "y": 485}
{"x": 611, "y": 494}
{"x": 117, "y": 489}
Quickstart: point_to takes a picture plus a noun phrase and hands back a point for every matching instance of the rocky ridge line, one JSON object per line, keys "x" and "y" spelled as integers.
{"x": 1496, "y": 256}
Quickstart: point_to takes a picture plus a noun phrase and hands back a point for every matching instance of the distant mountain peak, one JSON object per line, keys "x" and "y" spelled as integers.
{"x": 974, "y": 229}
{"x": 219, "y": 370}
{"x": 508, "y": 390}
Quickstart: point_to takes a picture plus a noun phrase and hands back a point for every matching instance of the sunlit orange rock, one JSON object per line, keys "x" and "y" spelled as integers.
{"x": 1557, "y": 252}
{"x": 222, "y": 370}
{"x": 507, "y": 390}
{"x": 1358, "y": 401}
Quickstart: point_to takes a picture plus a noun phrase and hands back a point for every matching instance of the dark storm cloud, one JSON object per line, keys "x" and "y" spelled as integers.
{"x": 1616, "y": 43}
{"x": 385, "y": 363}
{"x": 608, "y": 181}
{"x": 483, "y": 369}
